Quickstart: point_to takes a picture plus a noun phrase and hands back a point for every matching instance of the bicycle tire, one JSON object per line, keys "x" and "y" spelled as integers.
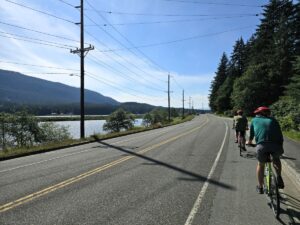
{"x": 240, "y": 143}
{"x": 275, "y": 196}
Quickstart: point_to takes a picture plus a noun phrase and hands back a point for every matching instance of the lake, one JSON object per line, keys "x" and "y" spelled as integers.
{"x": 91, "y": 127}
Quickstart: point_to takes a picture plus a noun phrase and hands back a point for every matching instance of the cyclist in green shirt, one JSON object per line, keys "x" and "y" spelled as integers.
{"x": 240, "y": 123}
{"x": 269, "y": 140}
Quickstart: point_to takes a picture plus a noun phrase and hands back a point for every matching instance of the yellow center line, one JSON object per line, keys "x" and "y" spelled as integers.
{"x": 72, "y": 180}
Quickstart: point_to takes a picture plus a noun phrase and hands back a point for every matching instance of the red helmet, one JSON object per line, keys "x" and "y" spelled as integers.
{"x": 262, "y": 109}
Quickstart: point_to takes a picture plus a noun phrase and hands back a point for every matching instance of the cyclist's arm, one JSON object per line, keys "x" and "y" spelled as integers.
{"x": 251, "y": 134}
{"x": 279, "y": 132}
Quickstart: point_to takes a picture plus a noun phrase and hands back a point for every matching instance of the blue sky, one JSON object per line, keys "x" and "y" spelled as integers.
{"x": 137, "y": 43}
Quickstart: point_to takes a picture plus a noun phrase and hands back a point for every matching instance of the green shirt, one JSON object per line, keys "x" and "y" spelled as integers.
{"x": 265, "y": 130}
{"x": 240, "y": 123}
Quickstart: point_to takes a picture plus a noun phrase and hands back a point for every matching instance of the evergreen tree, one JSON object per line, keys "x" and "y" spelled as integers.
{"x": 219, "y": 79}
{"x": 293, "y": 89}
{"x": 238, "y": 59}
{"x": 274, "y": 45}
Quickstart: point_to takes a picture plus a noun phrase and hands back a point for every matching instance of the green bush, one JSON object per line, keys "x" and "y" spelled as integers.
{"x": 287, "y": 111}
{"x": 22, "y": 129}
{"x": 50, "y": 132}
{"x": 119, "y": 119}
{"x": 286, "y": 123}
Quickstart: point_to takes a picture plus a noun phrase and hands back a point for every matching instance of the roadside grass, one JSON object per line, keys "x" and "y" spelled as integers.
{"x": 294, "y": 135}
{"x": 20, "y": 152}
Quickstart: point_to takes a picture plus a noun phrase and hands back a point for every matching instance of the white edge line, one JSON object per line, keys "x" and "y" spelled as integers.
{"x": 198, "y": 201}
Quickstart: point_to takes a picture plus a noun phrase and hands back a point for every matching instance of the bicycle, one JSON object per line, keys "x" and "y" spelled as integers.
{"x": 241, "y": 142}
{"x": 271, "y": 186}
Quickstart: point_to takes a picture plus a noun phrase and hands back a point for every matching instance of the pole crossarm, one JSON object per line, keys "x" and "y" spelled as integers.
{"x": 78, "y": 51}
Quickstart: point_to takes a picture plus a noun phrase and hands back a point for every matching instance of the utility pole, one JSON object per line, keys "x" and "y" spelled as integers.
{"x": 190, "y": 105}
{"x": 169, "y": 109}
{"x": 82, "y": 51}
{"x": 182, "y": 104}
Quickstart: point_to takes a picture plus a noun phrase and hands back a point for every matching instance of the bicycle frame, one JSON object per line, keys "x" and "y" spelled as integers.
{"x": 271, "y": 188}
{"x": 268, "y": 177}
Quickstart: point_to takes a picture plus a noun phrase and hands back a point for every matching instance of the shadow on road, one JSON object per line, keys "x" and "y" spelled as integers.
{"x": 286, "y": 157}
{"x": 290, "y": 206}
{"x": 195, "y": 176}
{"x": 249, "y": 155}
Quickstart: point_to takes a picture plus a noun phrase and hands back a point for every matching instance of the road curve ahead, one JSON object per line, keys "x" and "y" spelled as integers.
{"x": 185, "y": 174}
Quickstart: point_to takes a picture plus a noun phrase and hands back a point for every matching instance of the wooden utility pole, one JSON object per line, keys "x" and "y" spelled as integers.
{"x": 182, "y": 104}
{"x": 81, "y": 52}
{"x": 169, "y": 109}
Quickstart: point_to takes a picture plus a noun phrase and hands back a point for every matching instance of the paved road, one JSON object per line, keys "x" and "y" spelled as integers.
{"x": 185, "y": 174}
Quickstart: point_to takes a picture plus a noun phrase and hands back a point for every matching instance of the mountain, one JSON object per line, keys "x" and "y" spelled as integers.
{"x": 42, "y": 97}
{"x": 17, "y": 88}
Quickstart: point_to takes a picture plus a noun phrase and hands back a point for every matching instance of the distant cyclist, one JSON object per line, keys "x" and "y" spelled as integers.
{"x": 269, "y": 140}
{"x": 240, "y": 123}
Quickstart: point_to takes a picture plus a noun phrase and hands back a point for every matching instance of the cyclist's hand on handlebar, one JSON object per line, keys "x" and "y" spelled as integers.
{"x": 249, "y": 143}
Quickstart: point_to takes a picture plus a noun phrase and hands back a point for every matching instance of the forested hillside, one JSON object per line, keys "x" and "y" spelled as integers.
{"x": 265, "y": 70}
{"x": 21, "y": 89}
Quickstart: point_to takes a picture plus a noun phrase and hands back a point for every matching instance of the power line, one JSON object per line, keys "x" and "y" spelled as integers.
{"x": 122, "y": 74}
{"x": 179, "y": 40}
{"x": 67, "y": 3}
{"x": 39, "y": 11}
{"x": 48, "y": 73}
{"x": 35, "y": 42}
{"x": 38, "y": 40}
{"x": 25, "y": 64}
{"x": 177, "y": 82}
{"x": 173, "y": 21}
{"x": 91, "y": 75}
{"x": 213, "y": 3}
{"x": 123, "y": 58}
{"x": 154, "y": 63}
{"x": 167, "y": 15}
{"x": 36, "y": 31}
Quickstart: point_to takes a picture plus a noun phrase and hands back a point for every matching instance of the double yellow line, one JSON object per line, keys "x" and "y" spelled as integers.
{"x": 72, "y": 180}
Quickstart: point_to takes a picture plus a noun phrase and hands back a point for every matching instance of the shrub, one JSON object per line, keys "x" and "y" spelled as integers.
{"x": 119, "y": 119}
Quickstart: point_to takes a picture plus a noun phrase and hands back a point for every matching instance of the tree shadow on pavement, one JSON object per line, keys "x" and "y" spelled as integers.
{"x": 292, "y": 206}
{"x": 286, "y": 157}
{"x": 160, "y": 163}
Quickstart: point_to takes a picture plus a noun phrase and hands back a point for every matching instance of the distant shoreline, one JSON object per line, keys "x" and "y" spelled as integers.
{"x": 52, "y": 118}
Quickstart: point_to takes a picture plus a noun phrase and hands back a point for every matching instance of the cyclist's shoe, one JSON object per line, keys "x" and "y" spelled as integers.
{"x": 244, "y": 149}
{"x": 259, "y": 190}
{"x": 280, "y": 182}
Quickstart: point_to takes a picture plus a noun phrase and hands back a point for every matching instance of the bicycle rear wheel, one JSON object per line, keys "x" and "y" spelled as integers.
{"x": 240, "y": 140}
{"x": 275, "y": 196}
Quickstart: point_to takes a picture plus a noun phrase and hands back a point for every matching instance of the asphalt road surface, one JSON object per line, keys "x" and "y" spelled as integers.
{"x": 186, "y": 174}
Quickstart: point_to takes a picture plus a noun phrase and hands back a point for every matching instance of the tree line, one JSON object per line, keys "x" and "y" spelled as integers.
{"x": 265, "y": 70}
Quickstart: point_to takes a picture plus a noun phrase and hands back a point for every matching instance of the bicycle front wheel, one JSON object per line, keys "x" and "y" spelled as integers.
{"x": 275, "y": 196}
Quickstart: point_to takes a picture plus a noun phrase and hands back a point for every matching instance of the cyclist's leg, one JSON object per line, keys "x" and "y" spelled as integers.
{"x": 236, "y": 136}
{"x": 276, "y": 152}
{"x": 262, "y": 157}
{"x": 260, "y": 174}
{"x": 243, "y": 142}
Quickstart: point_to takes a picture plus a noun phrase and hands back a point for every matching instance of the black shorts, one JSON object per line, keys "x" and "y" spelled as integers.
{"x": 243, "y": 132}
{"x": 263, "y": 150}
